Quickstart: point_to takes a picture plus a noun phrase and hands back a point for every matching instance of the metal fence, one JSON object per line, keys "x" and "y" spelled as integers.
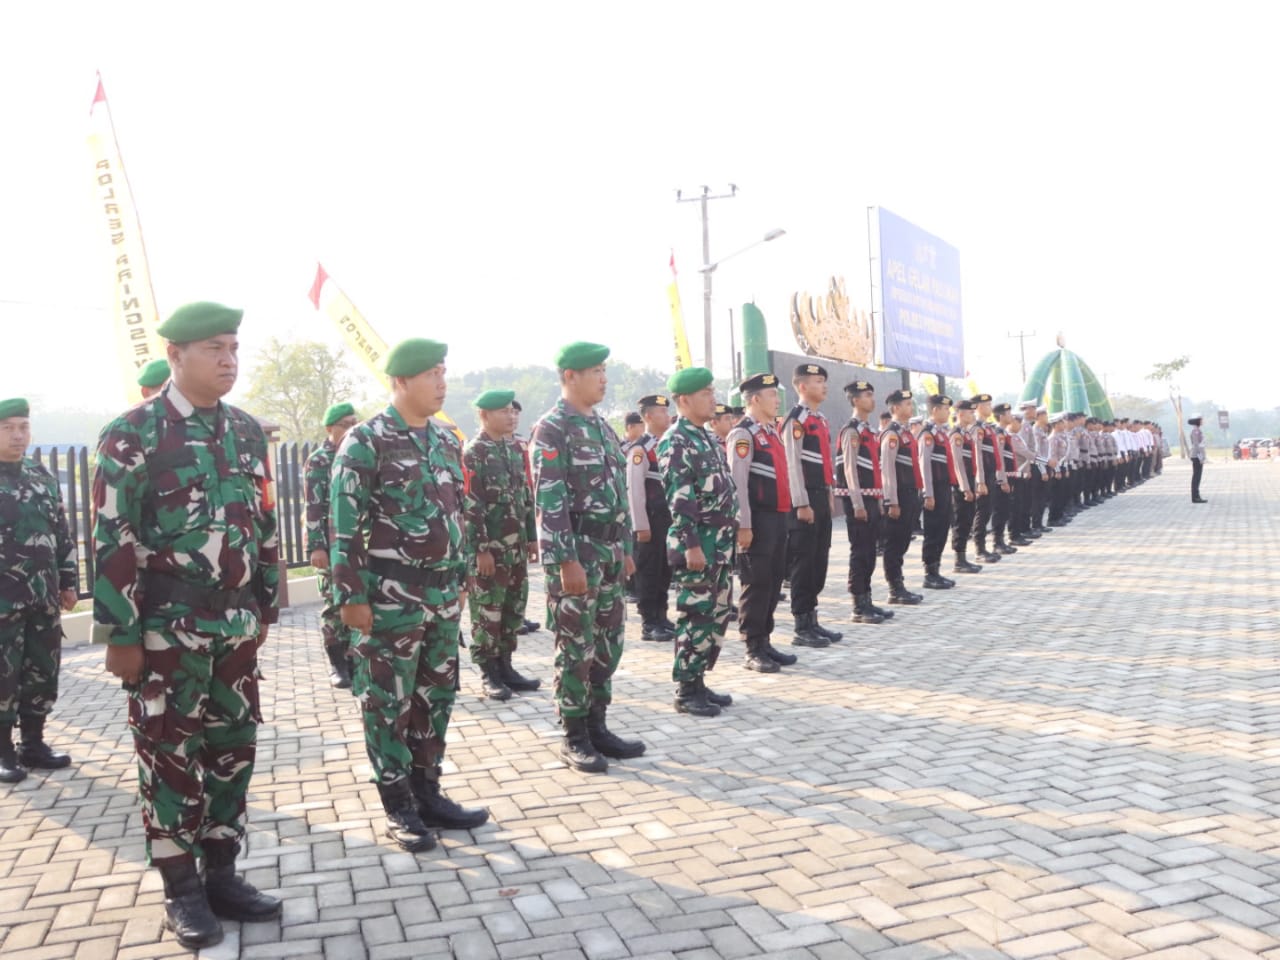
{"x": 73, "y": 468}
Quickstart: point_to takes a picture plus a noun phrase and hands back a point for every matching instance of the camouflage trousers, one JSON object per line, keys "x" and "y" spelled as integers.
{"x": 497, "y": 607}
{"x": 30, "y": 656}
{"x": 406, "y": 676}
{"x": 332, "y": 629}
{"x": 588, "y": 632}
{"x": 194, "y": 720}
{"x": 702, "y": 599}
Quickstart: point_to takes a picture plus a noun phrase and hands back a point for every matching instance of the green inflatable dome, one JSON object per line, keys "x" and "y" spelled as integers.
{"x": 1063, "y": 382}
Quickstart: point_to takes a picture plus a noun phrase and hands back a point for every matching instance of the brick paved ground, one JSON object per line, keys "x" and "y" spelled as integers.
{"x": 1073, "y": 755}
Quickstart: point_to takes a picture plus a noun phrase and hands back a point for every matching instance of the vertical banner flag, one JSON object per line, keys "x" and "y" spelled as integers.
{"x": 327, "y": 296}
{"x": 684, "y": 359}
{"x": 136, "y": 316}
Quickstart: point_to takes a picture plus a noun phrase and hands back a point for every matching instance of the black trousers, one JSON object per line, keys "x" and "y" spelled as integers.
{"x": 761, "y": 568}
{"x": 1039, "y": 497}
{"x": 936, "y": 524}
{"x": 1019, "y": 507}
{"x": 1058, "y": 489}
{"x": 1197, "y": 469}
{"x": 981, "y": 518}
{"x": 898, "y": 533}
{"x": 653, "y": 575}
{"x": 1001, "y": 510}
{"x": 962, "y": 520}
{"x": 862, "y": 544}
{"x": 809, "y": 551}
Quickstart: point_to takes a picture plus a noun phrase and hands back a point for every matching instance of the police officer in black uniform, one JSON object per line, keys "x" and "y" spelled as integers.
{"x": 898, "y": 471}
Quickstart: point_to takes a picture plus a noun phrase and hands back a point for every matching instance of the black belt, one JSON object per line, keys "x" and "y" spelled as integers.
{"x": 595, "y": 529}
{"x": 408, "y": 573}
{"x": 162, "y": 588}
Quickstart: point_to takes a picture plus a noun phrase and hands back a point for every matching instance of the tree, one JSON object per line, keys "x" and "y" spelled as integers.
{"x": 293, "y": 383}
{"x": 1165, "y": 373}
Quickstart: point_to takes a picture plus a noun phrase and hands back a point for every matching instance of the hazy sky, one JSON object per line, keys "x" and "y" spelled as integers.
{"x": 502, "y": 176}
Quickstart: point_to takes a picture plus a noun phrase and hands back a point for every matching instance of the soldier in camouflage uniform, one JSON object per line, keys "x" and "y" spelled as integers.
{"x": 153, "y": 377}
{"x": 338, "y": 419}
{"x": 399, "y": 558}
{"x": 704, "y": 524}
{"x": 37, "y": 576}
{"x": 585, "y": 542}
{"x": 187, "y": 582}
{"x": 501, "y": 530}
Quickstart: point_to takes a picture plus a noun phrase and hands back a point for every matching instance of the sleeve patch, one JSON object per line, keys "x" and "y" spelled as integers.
{"x": 798, "y": 432}
{"x": 742, "y": 448}
{"x": 637, "y": 457}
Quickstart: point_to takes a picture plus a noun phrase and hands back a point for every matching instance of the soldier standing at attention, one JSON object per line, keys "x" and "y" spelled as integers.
{"x": 153, "y": 376}
{"x": 584, "y": 536}
{"x": 758, "y": 466}
{"x": 935, "y": 470}
{"x": 704, "y": 512}
{"x": 650, "y": 518}
{"x": 806, "y": 438}
{"x": 992, "y": 484}
{"x": 966, "y": 479}
{"x": 500, "y": 528}
{"x": 1197, "y": 458}
{"x": 399, "y": 558}
{"x": 338, "y": 419}
{"x": 900, "y": 473}
{"x": 187, "y": 581}
{"x": 37, "y": 580}
{"x": 858, "y": 462}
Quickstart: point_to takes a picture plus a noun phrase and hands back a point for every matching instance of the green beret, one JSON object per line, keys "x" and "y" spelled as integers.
{"x": 410, "y": 357}
{"x": 494, "y": 399}
{"x": 690, "y": 380}
{"x": 581, "y": 356}
{"x": 200, "y": 321}
{"x": 337, "y": 412}
{"x": 154, "y": 373}
{"x": 17, "y": 407}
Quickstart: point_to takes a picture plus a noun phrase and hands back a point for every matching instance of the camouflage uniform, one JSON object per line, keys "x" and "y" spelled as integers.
{"x": 396, "y": 524}
{"x": 522, "y": 601}
{"x": 704, "y": 511}
{"x": 37, "y": 561}
{"x": 499, "y": 521}
{"x": 188, "y": 566}
{"x": 581, "y": 498}
{"x": 316, "y": 476}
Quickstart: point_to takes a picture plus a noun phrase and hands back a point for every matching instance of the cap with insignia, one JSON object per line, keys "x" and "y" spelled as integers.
{"x": 632, "y": 419}
{"x": 737, "y": 411}
{"x": 689, "y": 380}
{"x": 1001, "y": 408}
{"x": 964, "y": 404}
{"x": 859, "y": 386}
{"x": 581, "y": 355}
{"x": 722, "y": 409}
{"x": 200, "y": 321}
{"x": 760, "y": 381}
{"x": 494, "y": 399}
{"x": 408, "y": 358}
{"x": 940, "y": 400}
{"x": 515, "y": 404}
{"x": 17, "y": 407}
{"x": 810, "y": 370}
{"x": 898, "y": 396}
{"x": 652, "y": 400}
{"x": 154, "y": 373}
{"x": 337, "y": 412}
{"x": 980, "y": 398}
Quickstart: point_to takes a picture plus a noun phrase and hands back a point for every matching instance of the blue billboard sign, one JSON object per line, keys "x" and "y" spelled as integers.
{"x": 920, "y": 299}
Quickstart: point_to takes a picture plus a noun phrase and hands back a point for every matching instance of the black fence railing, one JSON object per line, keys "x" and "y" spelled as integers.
{"x": 73, "y": 468}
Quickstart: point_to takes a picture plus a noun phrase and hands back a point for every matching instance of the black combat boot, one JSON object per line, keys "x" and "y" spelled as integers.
{"x": 933, "y": 580}
{"x": 435, "y": 809}
{"x": 963, "y": 565}
{"x": 494, "y": 688}
{"x": 608, "y": 743}
{"x": 186, "y": 908}
{"x": 404, "y": 825}
{"x": 1002, "y": 547}
{"x": 886, "y": 614}
{"x": 776, "y": 655}
{"x": 805, "y": 635}
{"x": 529, "y": 626}
{"x": 863, "y": 611}
{"x": 898, "y": 593}
{"x": 832, "y": 635}
{"x": 10, "y": 770}
{"x": 339, "y": 668}
{"x": 719, "y": 699}
{"x": 513, "y": 679}
{"x": 666, "y": 622}
{"x": 230, "y": 896}
{"x": 655, "y": 631}
{"x": 34, "y": 754}
{"x": 692, "y": 699}
{"x": 757, "y": 659}
{"x": 983, "y": 554}
{"x": 577, "y": 751}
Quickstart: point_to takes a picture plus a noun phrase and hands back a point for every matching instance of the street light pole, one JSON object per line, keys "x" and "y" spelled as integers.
{"x": 703, "y": 199}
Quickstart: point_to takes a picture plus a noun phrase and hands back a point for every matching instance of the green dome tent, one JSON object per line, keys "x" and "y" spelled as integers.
{"x": 1063, "y": 382}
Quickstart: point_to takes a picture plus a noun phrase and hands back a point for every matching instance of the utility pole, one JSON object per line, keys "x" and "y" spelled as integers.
{"x": 1022, "y": 348}
{"x": 702, "y": 199}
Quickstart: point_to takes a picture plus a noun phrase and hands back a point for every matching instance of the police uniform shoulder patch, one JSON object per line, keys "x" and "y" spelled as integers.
{"x": 893, "y": 441}
{"x": 926, "y": 438}
{"x": 637, "y": 457}
{"x": 797, "y": 431}
{"x": 742, "y": 448}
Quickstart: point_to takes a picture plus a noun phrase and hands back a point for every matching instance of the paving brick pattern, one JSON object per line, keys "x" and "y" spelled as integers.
{"x": 1075, "y": 754}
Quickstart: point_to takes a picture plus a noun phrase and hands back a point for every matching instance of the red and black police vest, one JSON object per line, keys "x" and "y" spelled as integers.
{"x": 868, "y": 459}
{"x": 768, "y": 484}
{"x": 810, "y": 427}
